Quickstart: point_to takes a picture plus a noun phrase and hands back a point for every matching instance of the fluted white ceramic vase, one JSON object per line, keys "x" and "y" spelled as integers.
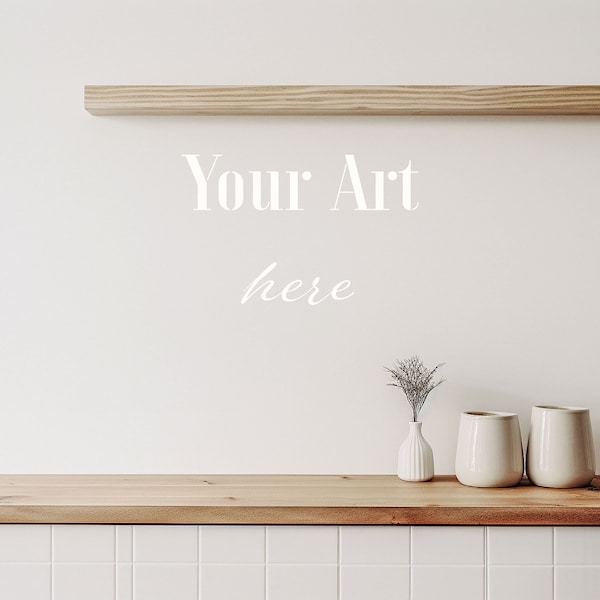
{"x": 415, "y": 458}
{"x": 560, "y": 451}
{"x": 489, "y": 452}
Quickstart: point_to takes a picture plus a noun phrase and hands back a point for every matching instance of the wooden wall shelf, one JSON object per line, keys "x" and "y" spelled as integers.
{"x": 341, "y": 100}
{"x": 286, "y": 499}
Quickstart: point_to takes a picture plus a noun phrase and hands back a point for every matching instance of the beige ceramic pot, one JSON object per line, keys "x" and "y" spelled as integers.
{"x": 489, "y": 452}
{"x": 560, "y": 451}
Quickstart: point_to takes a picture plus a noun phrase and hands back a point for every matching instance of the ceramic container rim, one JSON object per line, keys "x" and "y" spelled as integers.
{"x": 488, "y": 414}
{"x": 560, "y": 408}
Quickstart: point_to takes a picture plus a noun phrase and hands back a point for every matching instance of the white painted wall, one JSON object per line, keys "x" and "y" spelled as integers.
{"x": 123, "y": 343}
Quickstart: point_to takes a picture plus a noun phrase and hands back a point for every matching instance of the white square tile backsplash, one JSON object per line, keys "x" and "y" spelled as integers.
{"x": 124, "y": 543}
{"x": 24, "y": 543}
{"x": 302, "y": 544}
{"x": 383, "y": 582}
{"x": 73, "y": 581}
{"x": 154, "y": 581}
{"x": 441, "y": 581}
{"x": 84, "y": 543}
{"x": 577, "y": 546}
{"x": 232, "y": 544}
{"x": 520, "y": 583}
{"x": 165, "y": 544}
{"x": 366, "y": 545}
{"x": 577, "y": 583}
{"x": 302, "y": 582}
{"x": 443, "y": 545}
{"x": 124, "y": 581}
{"x": 187, "y": 562}
{"x": 26, "y": 581}
{"x": 228, "y": 582}
{"x": 519, "y": 545}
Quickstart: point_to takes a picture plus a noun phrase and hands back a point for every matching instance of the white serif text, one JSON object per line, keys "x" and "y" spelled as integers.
{"x": 281, "y": 190}
{"x": 292, "y": 292}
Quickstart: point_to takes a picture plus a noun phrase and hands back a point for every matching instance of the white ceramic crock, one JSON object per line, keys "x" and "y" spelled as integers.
{"x": 560, "y": 451}
{"x": 489, "y": 452}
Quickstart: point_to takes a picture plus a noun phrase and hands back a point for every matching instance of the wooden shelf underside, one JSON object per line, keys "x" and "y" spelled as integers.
{"x": 286, "y": 499}
{"x": 341, "y": 100}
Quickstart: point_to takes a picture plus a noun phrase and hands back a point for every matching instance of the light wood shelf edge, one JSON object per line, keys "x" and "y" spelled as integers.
{"x": 342, "y": 100}
{"x": 287, "y": 499}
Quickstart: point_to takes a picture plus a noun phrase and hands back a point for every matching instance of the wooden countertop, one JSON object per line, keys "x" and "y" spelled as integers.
{"x": 287, "y": 499}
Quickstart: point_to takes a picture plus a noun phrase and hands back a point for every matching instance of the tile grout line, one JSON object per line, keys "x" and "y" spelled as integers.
{"x": 339, "y": 561}
{"x": 554, "y": 563}
{"x": 199, "y": 565}
{"x": 266, "y": 594}
{"x": 486, "y": 580}
{"x": 410, "y": 577}
{"x": 132, "y": 562}
{"x": 130, "y": 558}
{"x": 52, "y": 562}
{"x": 116, "y": 530}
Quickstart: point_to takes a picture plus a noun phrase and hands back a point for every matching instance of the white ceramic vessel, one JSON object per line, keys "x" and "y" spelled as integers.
{"x": 560, "y": 451}
{"x": 415, "y": 458}
{"x": 489, "y": 452}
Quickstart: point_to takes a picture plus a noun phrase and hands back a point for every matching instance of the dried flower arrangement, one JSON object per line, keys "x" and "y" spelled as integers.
{"x": 415, "y": 380}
